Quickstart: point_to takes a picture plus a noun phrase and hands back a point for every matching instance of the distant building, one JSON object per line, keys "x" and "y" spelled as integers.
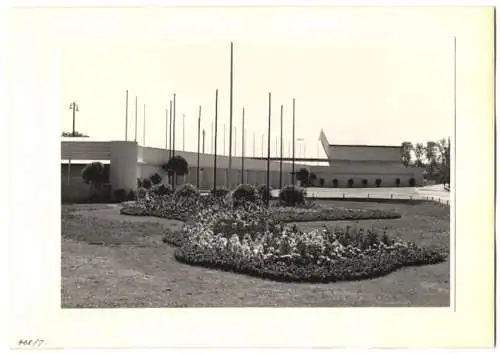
{"x": 126, "y": 161}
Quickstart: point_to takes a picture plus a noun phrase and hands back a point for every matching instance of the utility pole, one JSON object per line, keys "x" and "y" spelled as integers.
{"x": 173, "y": 126}
{"x": 73, "y": 106}
{"x": 262, "y": 146}
{"x": 126, "y": 115}
{"x": 268, "y": 152}
{"x": 230, "y": 118}
{"x": 135, "y": 134}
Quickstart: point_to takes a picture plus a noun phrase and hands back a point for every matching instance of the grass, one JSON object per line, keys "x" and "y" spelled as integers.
{"x": 113, "y": 260}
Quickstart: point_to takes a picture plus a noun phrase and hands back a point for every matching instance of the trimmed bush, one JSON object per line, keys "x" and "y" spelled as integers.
{"x": 120, "y": 195}
{"x": 155, "y": 178}
{"x": 146, "y": 183}
{"x": 161, "y": 189}
{"x": 95, "y": 174}
{"x": 244, "y": 193}
{"x": 264, "y": 192}
{"x": 220, "y": 192}
{"x": 187, "y": 190}
{"x": 292, "y": 196}
{"x": 141, "y": 193}
{"x": 131, "y": 195}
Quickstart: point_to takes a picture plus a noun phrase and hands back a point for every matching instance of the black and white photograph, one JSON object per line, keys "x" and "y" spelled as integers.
{"x": 262, "y": 157}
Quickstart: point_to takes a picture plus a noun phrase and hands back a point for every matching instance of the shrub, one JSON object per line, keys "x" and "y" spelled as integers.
{"x": 292, "y": 196}
{"x": 95, "y": 174}
{"x": 219, "y": 192}
{"x": 378, "y": 182}
{"x": 244, "y": 193}
{"x": 321, "y": 182}
{"x": 155, "y": 178}
{"x": 146, "y": 183}
{"x": 120, "y": 195}
{"x": 161, "y": 189}
{"x": 335, "y": 183}
{"x": 264, "y": 192}
{"x": 131, "y": 195}
{"x": 187, "y": 190}
{"x": 141, "y": 193}
{"x": 365, "y": 182}
{"x": 303, "y": 176}
{"x": 350, "y": 182}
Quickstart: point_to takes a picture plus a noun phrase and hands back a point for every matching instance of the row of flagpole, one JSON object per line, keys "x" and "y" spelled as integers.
{"x": 170, "y": 117}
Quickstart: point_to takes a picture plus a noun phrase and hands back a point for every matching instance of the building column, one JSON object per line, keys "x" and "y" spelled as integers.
{"x": 123, "y": 169}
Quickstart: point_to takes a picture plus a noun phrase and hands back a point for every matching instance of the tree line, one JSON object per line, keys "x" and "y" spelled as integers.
{"x": 433, "y": 156}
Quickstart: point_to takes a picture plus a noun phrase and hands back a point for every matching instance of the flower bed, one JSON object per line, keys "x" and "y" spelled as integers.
{"x": 273, "y": 250}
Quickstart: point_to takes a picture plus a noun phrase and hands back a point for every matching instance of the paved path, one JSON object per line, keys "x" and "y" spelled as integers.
{"x": 436, "y": 193}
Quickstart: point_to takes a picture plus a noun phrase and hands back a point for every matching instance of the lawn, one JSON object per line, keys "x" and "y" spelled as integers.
{"x": 112, "y": 260}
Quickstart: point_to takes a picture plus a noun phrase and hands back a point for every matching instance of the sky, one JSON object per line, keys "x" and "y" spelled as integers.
{"x": 375, "y": 76}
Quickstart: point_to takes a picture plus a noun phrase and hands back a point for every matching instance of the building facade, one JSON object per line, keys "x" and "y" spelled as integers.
{"x": 126, "y": 161}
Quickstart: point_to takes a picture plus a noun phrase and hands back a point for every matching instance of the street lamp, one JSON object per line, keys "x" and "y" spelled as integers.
{"x": 75, "y": 109}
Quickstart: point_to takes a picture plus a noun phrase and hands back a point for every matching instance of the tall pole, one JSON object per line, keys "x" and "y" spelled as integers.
{"x": 281, "y": 148}
{"x": 203, "y": 141}
{"x": 75, "y": 108}
{"x": 243, "y": 146}
{"x": 170, "y": 130}
{"x": 262, "y": 146}
{"x": 268, "y": 152}
{"x": 144, "y": 127}
{"x": 230, "y": 118}
{"x": 173, "y": 137}
{"x": 135, "y": 134}
{"x": 166, "y": 129}
{"x": 126, "y": 116}
{"x": 173, "y": 126}
{"x": 215, "y": 141}
{"x": 253, "y": 144}
{"x": 198, "y": 162}
{"x": 293, "y": 143}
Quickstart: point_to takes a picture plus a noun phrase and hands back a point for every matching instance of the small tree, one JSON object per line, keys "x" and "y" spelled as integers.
{"x": 303, "y": 176}
{"x": 94, "y": 174}
{"x": 155, "y": 178}
{"x": 146, "y": 183}
{"x": 176, "y": 166}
